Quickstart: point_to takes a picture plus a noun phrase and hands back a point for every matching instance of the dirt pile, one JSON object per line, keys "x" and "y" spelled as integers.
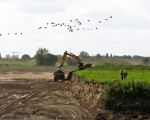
{"x": 93, "y": 96}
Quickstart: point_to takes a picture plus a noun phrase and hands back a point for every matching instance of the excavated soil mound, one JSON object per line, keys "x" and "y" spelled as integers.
{"x": 93, "y": 97}
{"x": 39, "y": 100}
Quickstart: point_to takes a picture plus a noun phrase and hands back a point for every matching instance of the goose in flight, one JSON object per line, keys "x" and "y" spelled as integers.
{"x": 40, "y": 28}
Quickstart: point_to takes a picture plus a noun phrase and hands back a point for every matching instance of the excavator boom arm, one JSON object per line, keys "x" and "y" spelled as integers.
{"x": 71, "y": 55}
{"x": 59, "y": 75}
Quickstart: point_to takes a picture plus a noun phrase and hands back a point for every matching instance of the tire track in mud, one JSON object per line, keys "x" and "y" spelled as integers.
{"x": 12, "y": 105}
{"x": 43, "y": 101}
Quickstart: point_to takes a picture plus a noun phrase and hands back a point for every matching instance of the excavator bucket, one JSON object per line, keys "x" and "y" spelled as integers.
{"x": 59, "y": 75}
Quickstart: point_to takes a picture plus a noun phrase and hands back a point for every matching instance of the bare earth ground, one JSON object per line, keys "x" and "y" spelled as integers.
{"x": 16, "y": 75}
{"x": 34, "y": 96}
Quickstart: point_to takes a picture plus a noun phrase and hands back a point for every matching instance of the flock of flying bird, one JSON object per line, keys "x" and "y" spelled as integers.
{"x": 13, "y": 33}
{"x": 74, "y": 24}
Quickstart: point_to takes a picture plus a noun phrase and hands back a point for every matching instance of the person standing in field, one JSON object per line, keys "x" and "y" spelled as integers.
{"x": 123, "y": 75}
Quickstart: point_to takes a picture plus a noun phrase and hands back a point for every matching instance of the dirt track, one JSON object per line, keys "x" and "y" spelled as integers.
{"x": 37, "y": 98}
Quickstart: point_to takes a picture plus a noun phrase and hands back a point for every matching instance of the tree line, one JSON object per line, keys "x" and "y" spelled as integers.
{"x": 44, "y": 57}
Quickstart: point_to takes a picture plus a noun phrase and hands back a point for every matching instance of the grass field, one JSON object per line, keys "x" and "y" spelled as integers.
{"x": 108, "y": 73}
{"x": 121, "y": 94}
{"x": 17, "y": 63}
{"x": 29, "y": 66}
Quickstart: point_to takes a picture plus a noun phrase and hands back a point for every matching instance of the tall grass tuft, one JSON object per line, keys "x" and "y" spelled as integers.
{"x": 130, "y": 89}
{"x": 128, "y": 95}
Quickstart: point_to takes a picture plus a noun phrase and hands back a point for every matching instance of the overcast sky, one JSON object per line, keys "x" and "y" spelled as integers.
{"x": 127, "y": 33}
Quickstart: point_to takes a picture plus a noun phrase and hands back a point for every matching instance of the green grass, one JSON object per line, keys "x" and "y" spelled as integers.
{"x": 108, "y": 73}
{"x": 17, "y": 63}
{"x": 132, "y": 89}
{"x": 131, "y": 95}
{"x": 29, "y": 66}
{"x": 128, "y": 94}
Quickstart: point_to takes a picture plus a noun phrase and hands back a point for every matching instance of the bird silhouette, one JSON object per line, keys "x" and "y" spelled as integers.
{"x": 79, "y": 23}
{"x": 71, "y": 30}
{"x": 40, "y": 28}
{"x": 76, "y": 19}
{"x": 75, "y": 24}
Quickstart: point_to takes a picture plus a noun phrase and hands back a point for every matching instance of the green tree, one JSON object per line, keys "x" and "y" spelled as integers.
{"x": 25, "y": 57}
{"x": 107, "y": 55}
{"x": 43, "y": 57}
{"x": 127, "y": 57}
{"x": 98, "y": 55}
{"x": 146, "y": 61}
{"x": 111, "y": 55}
{"x": 42, "y": 51}
{"x": 0, "y": 56}
{"x": 84, "y": 54}
{"x": 50, "y": 59}
{"x": 137, "y": 57}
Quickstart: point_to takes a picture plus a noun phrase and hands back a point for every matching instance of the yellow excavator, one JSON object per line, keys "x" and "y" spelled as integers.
{"x": 59, "y": 74}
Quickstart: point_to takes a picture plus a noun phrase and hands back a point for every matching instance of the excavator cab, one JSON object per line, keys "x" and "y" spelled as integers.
{"x": 59, "y": 74}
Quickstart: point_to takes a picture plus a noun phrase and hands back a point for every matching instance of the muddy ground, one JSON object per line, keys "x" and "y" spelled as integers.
{"x": 35, "y": 96}
{"x": 21, "y": 75}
